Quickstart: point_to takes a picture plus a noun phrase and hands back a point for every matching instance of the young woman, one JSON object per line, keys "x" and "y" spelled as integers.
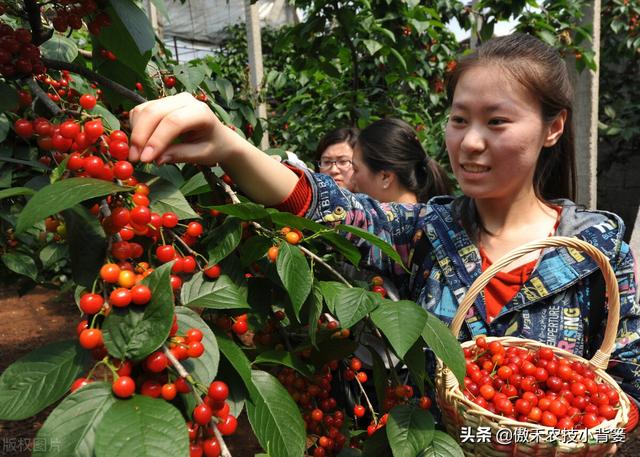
{"x": 390, "y": 165}
{"x": 510, "y": 143}
{"x": 334, "y": 155}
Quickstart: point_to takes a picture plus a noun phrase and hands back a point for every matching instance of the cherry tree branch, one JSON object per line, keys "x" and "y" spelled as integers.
{"x": 38, "y": 34}
{"x": 41, "y": 95}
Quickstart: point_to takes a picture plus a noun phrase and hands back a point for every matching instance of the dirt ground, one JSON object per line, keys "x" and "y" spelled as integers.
{"x": 42, "y": 316}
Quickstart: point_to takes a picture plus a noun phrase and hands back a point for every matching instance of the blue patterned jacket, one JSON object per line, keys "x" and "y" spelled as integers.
{"x": 553, "y": 306}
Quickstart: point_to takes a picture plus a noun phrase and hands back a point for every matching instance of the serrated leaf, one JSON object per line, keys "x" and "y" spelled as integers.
{"x": 285, "y": 358}
{"x": 224, "y": 239}
{"x": 225, "y": 88}
{"x": 402, "y": 322}
{"x": 39, "y": 379}
{"x": 275, "y": 418}
{"x": 8, "y": 98}
{"x": 373, "y": 239}
{"x": 445, "y": 346}
{"x": 236, "y": 358}
{"x": 166, "y": 197}
{"x": 350, "y": 304}
{"x": 205, "y": 367}
{"x": 21, "y": 264}
{"x": 223, "y": 293}
{"x": 72, "y": 426}
{"x": 442, "y": 445}
{"x": 87, "y": 244}
{"x": 245, "y": 211}
{"x": 143, "y": 427}
{"x": 409, "y": 430}
{"x": 295, "y": 274}
{"x": 53, "y": 253}
{"x": 196, "y": 185}
{"x": 416, "y": 363}
{"x": 168, "y": 172}
{"x": 62, "y": 195}
{"x": 136, "y": 331}
{"x": 59, "y": 47}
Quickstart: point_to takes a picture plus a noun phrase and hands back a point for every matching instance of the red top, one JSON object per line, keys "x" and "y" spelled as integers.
{"x": 505, "y": 285}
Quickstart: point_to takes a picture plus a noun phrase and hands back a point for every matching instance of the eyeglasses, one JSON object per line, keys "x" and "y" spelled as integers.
{"x": 342, "y": 164}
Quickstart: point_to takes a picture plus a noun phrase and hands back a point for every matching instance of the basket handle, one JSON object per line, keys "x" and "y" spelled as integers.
{"x": 601, "y": 358}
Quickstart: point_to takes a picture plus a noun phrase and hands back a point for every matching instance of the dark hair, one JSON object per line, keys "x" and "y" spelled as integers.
{"x": 391, "y": 144}
{"x": 541, "y": 70}
{"x": 347, "y": 135}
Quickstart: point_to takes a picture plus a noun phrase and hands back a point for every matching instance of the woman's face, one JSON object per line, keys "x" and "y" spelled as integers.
{"x": 365, "y": 180}
{"x": 495, "y": 134}
{"x": 338, "y": 158}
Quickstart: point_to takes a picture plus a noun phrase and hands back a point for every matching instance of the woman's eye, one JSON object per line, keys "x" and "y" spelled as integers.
{"x": 457, "y": 119}
{"x": 497, "y": 121}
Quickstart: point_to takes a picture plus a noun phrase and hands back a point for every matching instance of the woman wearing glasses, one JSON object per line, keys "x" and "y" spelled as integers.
{"x": 390, "y": 165}
{"x": 334, "y": 155}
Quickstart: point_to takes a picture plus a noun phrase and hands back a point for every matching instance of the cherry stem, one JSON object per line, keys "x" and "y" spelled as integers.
{"x": 214, "y": 420}
{"x": 366, "y": 397}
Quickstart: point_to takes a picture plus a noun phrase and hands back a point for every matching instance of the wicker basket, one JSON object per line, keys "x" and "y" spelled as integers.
{"x": 459, "y": 412}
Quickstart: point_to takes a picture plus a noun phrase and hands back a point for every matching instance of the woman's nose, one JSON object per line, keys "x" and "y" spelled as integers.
{"x": 473, "y": 141}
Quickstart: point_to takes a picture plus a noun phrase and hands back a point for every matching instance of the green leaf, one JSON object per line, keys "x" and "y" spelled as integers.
{"x": 295, "y": 274}
{"x": 72, "y": 426}
{"x": 351, "y": 304}
{"x": 442, "y": 445}
{"x": 547, "y": 37}
{"x": 136, "y": 23}
{"x": 87, "y": 244}
{"x": 136, "y": 331}
{"x": 142, "y": 427}
{"x": 399, "y": 58}
{"x": 372, "y": 46}
{"x": 401, "y": 322}
{"x": 8, "y": 98}
{"x": 168, "y": 172}
{"x": 331, "y": 349}
{"x": 275, "y": 418}
{"x": 167, "y": 197}
{"x": 314, "y": 302}
{"x": 236, "y": 358}
{"x": 15, "y": 191}
{"x": 225, "y": 88}
{"x": 380, "y": 373}
{"x": 224, "y": 239}
{"x": 245, "y": 211}
{"x": 205, "y": 367}
{"x": 223, "y": 293}
{"x": 254, "y": 249}
{"x": 162, "y": 7}
{"x": 108, "y": 119}
{"x": 373, "y": 239}
{"x": 58, "y": 171}
{"x": 39, "y": 379}
{"x": 59, "y": 47}
{"x": 21, "y": 264}
{"x": 62, "y": 195}
{"x": 377, "y": 445}
{"x": 409, "y": 430}
{"x": 285, "y": 358}
{"x": 52, "y": 254}
{"x": 195, "y": 186}
{"x": 5, "y": 125}
{"x": 189, "y": 76}
{"x": 416, "y": 363}
{"x": 445, "y": 346}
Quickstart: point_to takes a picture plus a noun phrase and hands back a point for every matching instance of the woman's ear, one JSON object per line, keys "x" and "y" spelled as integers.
{"x": 387, "y": 178}
{"x": 555, "y": 129}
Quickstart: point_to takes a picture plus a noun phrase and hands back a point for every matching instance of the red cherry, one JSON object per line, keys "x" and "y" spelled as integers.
{"x": 218, "y": 391}
{"x": 69, "y": 129}
{"x": 202, "y": 414}
{"x": 91, "y": 303}
{"x": 140, "y": 294}
{"x": 240, "y": 327}
{"x": 359, "y": 410}
{"x": 123, "y": 170}
{"x": 169, "y": 219}
{"x": 165, "y": 253}
{"x": 87, "y": 101}
{"x": 140, "y": 215}
{"x": 123, "y": 387}
{"x": 213, "y": 272}
{"x": 23, "y": 128}
{"x": 228, "y": 425}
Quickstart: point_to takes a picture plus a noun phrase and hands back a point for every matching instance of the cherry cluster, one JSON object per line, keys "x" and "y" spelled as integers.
{"x": 19, "y": 57}
{"x": 61, "y": 90}
{"x": 537, "y": 386}
{"x": 323, "y": 420}
{"x": 70, "y": 13}
{"x": 214, "y": 408}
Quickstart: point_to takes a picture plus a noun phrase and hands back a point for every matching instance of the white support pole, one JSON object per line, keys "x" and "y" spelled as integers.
{"x": 254, "y": 46}
{"x": 152, "y": 13}
{"x": 586, "y": 116}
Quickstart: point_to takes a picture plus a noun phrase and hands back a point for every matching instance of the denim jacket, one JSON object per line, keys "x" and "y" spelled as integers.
{"x": 554, "y": 304}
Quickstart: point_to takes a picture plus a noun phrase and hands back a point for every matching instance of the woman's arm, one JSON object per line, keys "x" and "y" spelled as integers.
{"x": 182, "y": 129}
